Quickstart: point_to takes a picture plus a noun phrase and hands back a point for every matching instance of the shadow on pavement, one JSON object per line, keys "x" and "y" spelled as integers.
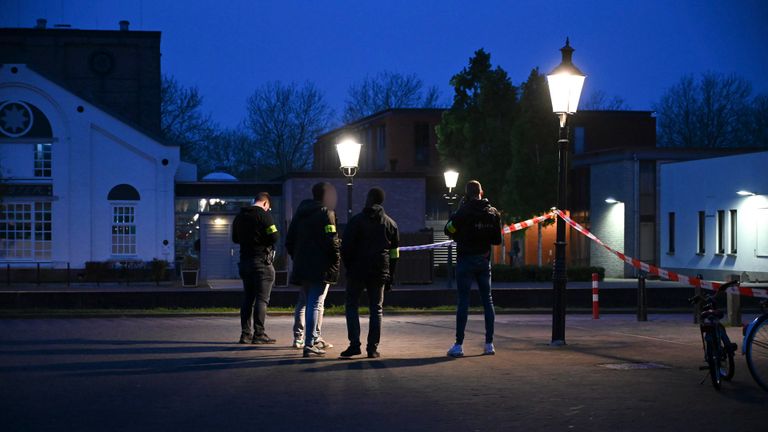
{"x": 363, "y": 364}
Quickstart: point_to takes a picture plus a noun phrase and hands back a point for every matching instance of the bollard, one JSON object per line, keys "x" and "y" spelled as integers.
{"x": 8, "y": 274}
{"x": 595, "y": 297}
{"x": 68, "y": 270}
{"x": 37, "y": 275}
{"x": 642, "y": 299}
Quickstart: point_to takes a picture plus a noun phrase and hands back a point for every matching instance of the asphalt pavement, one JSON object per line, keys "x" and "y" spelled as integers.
{"x": 186, "y": 374}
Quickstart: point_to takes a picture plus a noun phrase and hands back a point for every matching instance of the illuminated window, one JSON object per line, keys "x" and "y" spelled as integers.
{"x": 25, "y": 231}
{"x": 43, "y": 160}
{"x": 124, "y": 230}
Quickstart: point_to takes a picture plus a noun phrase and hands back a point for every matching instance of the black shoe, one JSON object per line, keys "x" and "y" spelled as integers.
{"x": 246, "y": 338}
{"x": 350, "y": 352}
{"x": 373, "y": 354}
{"x": 310, "y": 351}
{"x": 263, "y": 339}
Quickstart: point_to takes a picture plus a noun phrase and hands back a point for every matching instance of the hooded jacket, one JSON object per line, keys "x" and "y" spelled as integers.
{"x": 255, "y": 231}
{"x": 370, "y": 248}
{"x": 313, "y": 244}
{"x": 475, "y": 226}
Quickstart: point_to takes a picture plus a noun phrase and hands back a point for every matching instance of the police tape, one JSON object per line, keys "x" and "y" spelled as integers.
{"x": 506, "y": 230}
{"x": 664, "y": 274}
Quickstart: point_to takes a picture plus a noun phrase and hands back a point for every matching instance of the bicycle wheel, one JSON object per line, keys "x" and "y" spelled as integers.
{"x": 728, "y": 369}
{"x": 713, "y": 360}
{"x": 757, "y": 352}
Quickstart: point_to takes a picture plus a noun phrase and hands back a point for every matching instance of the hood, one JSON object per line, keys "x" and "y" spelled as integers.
{"x": 478, "y": 206}
{"x": 307, "y": 207}
{"x": 250, "y": 210}
{"x": 375, "y": 212}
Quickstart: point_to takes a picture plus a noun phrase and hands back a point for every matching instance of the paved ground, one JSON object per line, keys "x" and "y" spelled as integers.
{"x": 185, "y": 374}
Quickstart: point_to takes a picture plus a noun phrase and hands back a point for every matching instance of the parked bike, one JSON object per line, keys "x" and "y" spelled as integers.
{"x": 718, "y": 348}
{"x": 755, "y": 347}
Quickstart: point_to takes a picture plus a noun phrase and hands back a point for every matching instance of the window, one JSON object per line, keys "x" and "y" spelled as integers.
{"x": 421, "y": 143}
{"x": 720, "y": 233}
{"x": 381, "y": 148}
{"x": 124, "y": 230}
{"x": 700, "y": 249}
{"x": 671, "y": 233}
{"x": 733, "y": 231}
{"x": 25, "y": 231}
{"x": 43, "y": 160}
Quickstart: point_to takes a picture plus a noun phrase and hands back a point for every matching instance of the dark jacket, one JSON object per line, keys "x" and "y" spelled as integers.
{"x": 255, "y": 232}
{"x": 313, "y": 244}
{"x": 370, "y": 248}
{"x": 475, "y": 226}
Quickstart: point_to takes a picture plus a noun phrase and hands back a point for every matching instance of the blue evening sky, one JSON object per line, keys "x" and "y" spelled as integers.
{"x": 634, "y": 49}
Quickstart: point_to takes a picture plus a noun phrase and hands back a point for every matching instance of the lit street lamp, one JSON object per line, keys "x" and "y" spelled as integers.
{"x": 611, "y": 200}
{"x": 565, "y": 84}
{"x": 451, "y": 178}
{"x": 349, "y": 155}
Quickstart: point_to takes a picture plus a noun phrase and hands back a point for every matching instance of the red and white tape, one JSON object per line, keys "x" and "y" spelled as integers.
{"x": 664, "y": 274}
{"x": 525, "y": 224}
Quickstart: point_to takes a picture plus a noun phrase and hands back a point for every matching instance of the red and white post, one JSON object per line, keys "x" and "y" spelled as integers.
{"x": 595, "y": 297}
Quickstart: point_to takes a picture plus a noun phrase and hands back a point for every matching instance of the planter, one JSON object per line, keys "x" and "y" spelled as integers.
{"x": 189, "y": 278}
{"x": 281, "y": 278}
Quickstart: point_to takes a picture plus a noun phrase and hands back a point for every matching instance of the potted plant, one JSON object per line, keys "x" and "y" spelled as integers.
{"x": 189, "y": 271}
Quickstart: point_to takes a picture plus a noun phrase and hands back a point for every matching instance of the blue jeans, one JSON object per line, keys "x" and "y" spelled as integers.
{"x": 315, "y": 295}
{"x": 299, "y": 314}
{"x": 474, "y": 268}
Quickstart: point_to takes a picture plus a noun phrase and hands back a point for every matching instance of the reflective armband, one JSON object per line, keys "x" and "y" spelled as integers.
{"x": 330, "y": 229}
{"x": 271, "y": 229}
{"x": 394, "y": 253}
{"x": 451, "y": 229}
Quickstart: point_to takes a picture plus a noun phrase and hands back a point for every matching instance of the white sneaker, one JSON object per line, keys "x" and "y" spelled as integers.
{"x": 456, "y": 351}
{"x": 489, "y": 350}
{"x": 298, "y": 343}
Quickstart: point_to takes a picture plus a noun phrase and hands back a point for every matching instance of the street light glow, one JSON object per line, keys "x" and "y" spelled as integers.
{"x": 451, "y": 178}
{"x": 745, "y": 193}
{"x": 349, "y": 153}
{"x": 611, "y": 200}
{"x": 565, "y": 83}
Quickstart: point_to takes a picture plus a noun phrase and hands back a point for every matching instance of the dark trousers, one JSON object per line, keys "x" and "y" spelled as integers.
{"x": 375, "y": 288}
{"x": 258, "y": 278}
{"x": 474, "y": 268}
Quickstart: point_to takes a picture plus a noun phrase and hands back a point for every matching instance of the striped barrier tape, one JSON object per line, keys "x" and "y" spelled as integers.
{"x": 664, "y": 274}
{"x": 506, "y": 230}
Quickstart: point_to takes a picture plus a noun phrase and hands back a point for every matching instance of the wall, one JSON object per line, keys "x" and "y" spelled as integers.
{"x": 404, "y": 201}
{"x": 710, "y": 185}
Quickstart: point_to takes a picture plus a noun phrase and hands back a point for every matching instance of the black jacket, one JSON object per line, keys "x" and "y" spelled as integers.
{"x": 255, "y": 232}
{"x": 313, "y": 244}
{"x": 370, "y": 248}
{"x": 475, "y": 226}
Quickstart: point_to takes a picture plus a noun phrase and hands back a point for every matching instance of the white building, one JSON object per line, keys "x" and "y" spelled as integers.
{"x": 78, "y": 184}
{"x": 714, "y": 216}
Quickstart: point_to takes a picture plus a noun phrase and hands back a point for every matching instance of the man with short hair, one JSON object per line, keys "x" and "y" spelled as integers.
{"x": 256, "y": 233}
{"x": 313, "y": 245}
{"x": 370, "y": 250}
{"x": 474, "y": 227}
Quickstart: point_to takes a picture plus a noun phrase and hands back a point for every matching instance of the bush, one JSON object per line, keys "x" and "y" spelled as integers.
{"x": 529, "y": 273}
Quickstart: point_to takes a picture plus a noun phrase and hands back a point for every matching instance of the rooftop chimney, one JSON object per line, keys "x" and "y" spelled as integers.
{"x": 41, "y": 23}
{"x": 124, "y": 25}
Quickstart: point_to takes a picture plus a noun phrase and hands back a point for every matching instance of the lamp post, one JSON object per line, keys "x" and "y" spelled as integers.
{"x": 349, "y": 155}
{"x": 565, "y": 84}
{"x": 451, "y": 178}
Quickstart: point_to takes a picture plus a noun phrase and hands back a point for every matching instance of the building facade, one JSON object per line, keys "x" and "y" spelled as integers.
{"x": 707, "y": 226}
{"x": 79, "y": 182}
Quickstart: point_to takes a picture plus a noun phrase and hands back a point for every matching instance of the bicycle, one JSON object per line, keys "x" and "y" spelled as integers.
{"x": 718, "y": 348}
{"x": 755, "y": 347}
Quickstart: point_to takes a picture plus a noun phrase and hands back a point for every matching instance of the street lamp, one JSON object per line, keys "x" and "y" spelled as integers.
{"x": 745, "y": 193}
{"x": 565, "y": 84}
{"x": 611, "y": 200}
{"x": 451, "y": 178}
{"x": 349, "y": 155}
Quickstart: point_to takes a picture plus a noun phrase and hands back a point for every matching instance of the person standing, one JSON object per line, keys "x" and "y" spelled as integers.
{"x": 256, "y": 233}
{"x": 313, "y": 244}
{"x": 370, "y": 250}
{"x": 474, "y": 227}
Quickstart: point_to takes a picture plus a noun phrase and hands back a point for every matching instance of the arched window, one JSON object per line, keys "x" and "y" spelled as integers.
{"x": 123, "y": 219}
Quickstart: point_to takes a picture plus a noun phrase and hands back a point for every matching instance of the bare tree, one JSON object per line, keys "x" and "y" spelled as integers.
{"x": 711, "y": 112}
{"x": 230, "y": 150}
{"x": 284, "y": 120}
{"x": 182, "y": 120}
{"x": 599, "y": 100}
{"x": 388, "y": 90}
